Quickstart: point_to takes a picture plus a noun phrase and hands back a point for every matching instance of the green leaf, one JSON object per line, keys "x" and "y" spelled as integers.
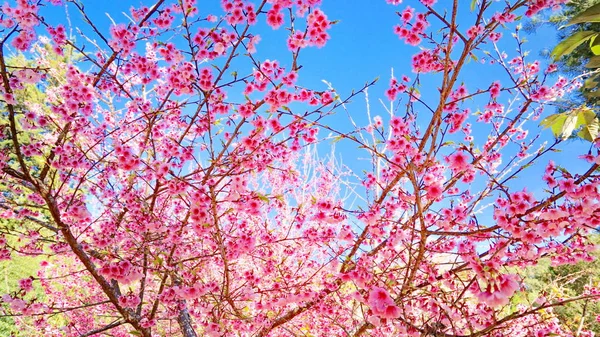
{"x": 135, "y": 333}
{"x": 591, "y": 14}
{"x": 569, "y": 126}
{"x": 337, "y": 139}
{"x": 595, "y": 45}
{"x": 585, "y": 116}
{"x": 563, "y": 170}
{"x": 569, "y": 44}
{"x": 555, "y": 123}
{"x": 473, "y": 5}
{"x": 589, "y": 131}
{"x": 594, "y": 62}
{"x": 564, "y": 124}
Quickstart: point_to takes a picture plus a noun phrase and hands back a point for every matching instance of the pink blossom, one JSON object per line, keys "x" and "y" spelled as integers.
{"x": 382, "y": 304}
{"x": 474, "y": 31}
{"x": 499, "y": 290}
{"x": 275, "y": 18}
{"x": 458, "y": 161}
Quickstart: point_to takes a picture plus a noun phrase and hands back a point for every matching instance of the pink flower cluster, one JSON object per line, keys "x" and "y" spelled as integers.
{"x": 458, "y": 161}
{"x": 190, "y": 292}
{"x": 399, "y": 143}
{"x": 474, "y": 31}
{"x": 189, "y": 7}
{"x": 126, "y": 160}
{"x": 130, "y": 301}
{"x": 24, "y": 14}
{"x": 238, "y": 11}
{"x": 499, "y": 290}
{"x": 382, "y": 304}
{"x": 456, "y": 120}
{"x": 427, "y": 61}
{"x": 269, "y": 71}
{"x": 275, "y": 16}
{"x": 4, "y": 251}
{"x": 317, "y": 28}
{"x": 58, "y": 36}
{"x": 411, "y": 32}
{"x": 396, "y": 88}
{"x": 240, "y": 245}
{"x": 143, "y": 67}
{"x": 164, "y": 19}
{"x": 504, "y": 17}
{"x": 26, "y": 284}
{"x": 199, "y": 211}
{"x": 139, "y": 13}
{"x": 123, "y": 38}
{"x": 304, "y": 5}
{"x": 278, "y": 98}
{"x": 490, "y": 111}
{"x": 495, "y": 89}
{"x": 535, "y": 6}
{"x": 170, "y": 53}
{"x": 297, "y": 41}
{"x": 123, "y": 272}
{"x": 181, "y": 78}
{"x": 316, "y": 32}
{"x": 326, "y": 212}
{"x": 218, "y": 39}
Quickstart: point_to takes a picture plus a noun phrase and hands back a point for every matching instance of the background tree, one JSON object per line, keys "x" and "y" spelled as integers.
{"x": 14, "y": 232}
{"x": 573, "y": 63}
{"x": 575, "y": 55}
{"x": 565, "y": 281}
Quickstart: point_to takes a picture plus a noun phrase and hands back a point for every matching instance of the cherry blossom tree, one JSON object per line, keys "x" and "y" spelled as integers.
{"x": 175, "y": 183}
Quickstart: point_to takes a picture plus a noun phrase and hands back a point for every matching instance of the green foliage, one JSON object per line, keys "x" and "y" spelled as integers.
{"x": 32, "y": 95}
{"x": 574, "y": 63}
{"x": 24, "y": 266}
{"x": 19, "y": 267}
{"x": 582, "y": 120}
{"x": 555, "y": 282}
{"x": 574, "y": 55}
{"x": 586, "y": 18}
{"x": 591, "y": 14}
{"x": 569, "y": 44}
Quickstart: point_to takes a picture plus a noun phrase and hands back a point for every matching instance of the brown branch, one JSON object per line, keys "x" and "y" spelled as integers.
{"x": 102, "y": 329}
{"x": 33, "y": 219}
